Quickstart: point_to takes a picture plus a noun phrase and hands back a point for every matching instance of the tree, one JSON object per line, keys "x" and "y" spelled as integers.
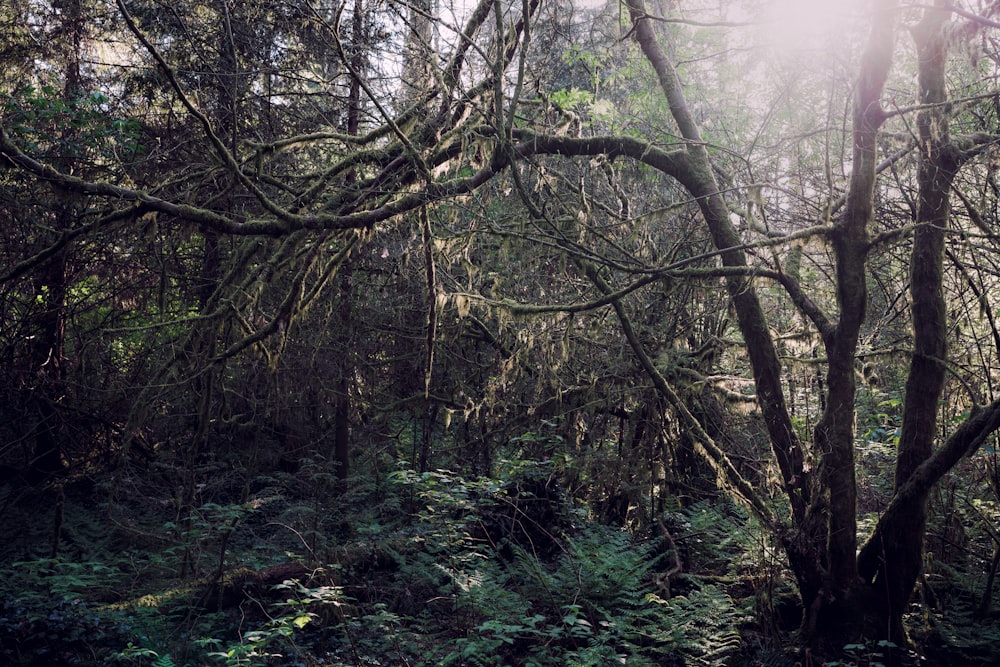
{"x": 59, "y": 117}
{"x": 821, "y": 543}
{"x": 821, "y": 540}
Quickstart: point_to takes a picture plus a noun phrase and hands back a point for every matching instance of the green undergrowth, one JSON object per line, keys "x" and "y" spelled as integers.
{"x": 414, "y": 568}
{"x": 429, "y": 568}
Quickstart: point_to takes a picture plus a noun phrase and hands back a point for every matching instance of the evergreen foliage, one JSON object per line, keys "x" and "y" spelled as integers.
{"x": 429, "y": 592}
{"x": 510, "y": 333}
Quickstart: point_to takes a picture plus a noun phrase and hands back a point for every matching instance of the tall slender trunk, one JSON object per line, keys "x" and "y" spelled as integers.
{"x": 46, "y": 367}
{"x": 345, "y": 370}
{"x": 419, "y": 52}
{"x": 52, "y": 286}
{"x": 834, "y": 433}
{"x": 700, "y": 181}
{"x": 891, "y": 561}
{"x": 802, "y": 542}
{"x": 345, "y": 367}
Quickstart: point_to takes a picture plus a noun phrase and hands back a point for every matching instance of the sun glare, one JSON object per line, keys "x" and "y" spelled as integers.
{"x": 807, "y": 25}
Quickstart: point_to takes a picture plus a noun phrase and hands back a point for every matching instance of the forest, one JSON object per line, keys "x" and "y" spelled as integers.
{"x": 500, "y": 332}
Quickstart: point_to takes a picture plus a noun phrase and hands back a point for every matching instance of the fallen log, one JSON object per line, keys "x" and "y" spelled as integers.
{"x": 232, "y": 588}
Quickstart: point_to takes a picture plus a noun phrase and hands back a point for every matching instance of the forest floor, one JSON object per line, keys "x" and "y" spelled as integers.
{"x": 408, "y": 569}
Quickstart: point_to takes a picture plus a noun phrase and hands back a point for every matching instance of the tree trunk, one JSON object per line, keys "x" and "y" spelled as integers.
{"x": 46, "y": 370}
{"x": 52, "y": 286}
{"x": 835, "y": 619}
{"x": 700, "y": 180}
{"x": 822, "y": 544}
{"x": 345, "y": 370}
{"x": 419, "y": 50}
{"x": 892, "y": 560}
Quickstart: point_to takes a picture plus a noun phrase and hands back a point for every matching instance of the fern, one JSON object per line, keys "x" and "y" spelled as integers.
{"x": 164, "y": 661}
{"x": 704, "y": 626}
{"x": 710, "y": 534}
{"x": 589, "y": 607}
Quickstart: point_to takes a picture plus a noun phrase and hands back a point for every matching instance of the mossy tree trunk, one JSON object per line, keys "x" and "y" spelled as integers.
{"x": 890, "y": 562}
{"x": 822, "y": 540}
{"x": 846, "y": 595}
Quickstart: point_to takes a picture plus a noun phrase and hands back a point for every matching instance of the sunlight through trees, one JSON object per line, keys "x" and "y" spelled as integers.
{"x": 538, "y": 332}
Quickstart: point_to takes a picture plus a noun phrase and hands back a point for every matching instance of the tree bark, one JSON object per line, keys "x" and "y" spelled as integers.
{"x": 345, "y": 371}
{"x": 698, "y": 177}
{"x": 345, "y": 367}
{"x": 418, "y": 51}
{"x": 52, "y": 286}
{"x": 834, "y": 433}
{"x": 891, "y": 560}
{"x": 822, "y": 544}
{"x": 46, "y": 367}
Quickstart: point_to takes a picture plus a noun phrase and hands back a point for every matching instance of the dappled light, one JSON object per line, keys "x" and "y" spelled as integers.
{"x": 548, "y": 332}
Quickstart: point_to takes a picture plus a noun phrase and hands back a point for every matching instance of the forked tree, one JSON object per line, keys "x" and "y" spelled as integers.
{"x": 475, "y": 119}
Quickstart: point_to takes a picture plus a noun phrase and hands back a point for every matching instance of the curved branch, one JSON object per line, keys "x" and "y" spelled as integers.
{"x": 26, "y": 265}
{"x": 964, "y": 441}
